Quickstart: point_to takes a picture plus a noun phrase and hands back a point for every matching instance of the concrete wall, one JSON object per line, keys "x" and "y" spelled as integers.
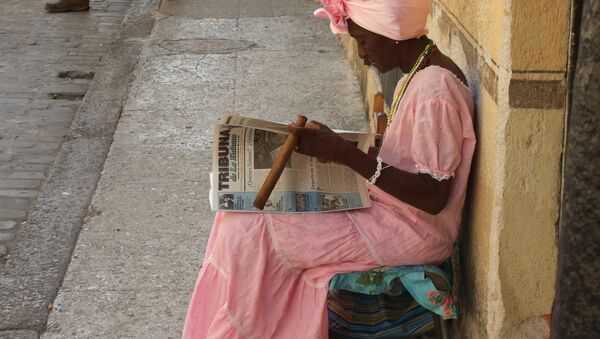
{"x": 369, "y": 77}
{"x": 514, "y": 54}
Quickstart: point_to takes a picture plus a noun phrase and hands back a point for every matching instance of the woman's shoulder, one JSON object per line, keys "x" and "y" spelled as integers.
{"x": 438, "y": 83}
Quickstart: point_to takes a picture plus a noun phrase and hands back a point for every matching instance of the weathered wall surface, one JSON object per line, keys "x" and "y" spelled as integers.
{"x": 368, "y": 77}
{"x": 514, "y": 54}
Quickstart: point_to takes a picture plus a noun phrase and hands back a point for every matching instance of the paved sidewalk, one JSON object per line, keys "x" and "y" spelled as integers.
{"x": 138, "y": 254}
{"x": 46, "y": 64}
{"x": 47, "y": 172}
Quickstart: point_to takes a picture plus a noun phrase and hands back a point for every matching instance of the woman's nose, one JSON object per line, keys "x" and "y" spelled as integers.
{"x": 366, "y": 59}
{"x": 361, "y": 52}
{"x": 363, "y": 55}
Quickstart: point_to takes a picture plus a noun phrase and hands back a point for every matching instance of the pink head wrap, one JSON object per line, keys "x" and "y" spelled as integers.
{"x": 395, "y": 19}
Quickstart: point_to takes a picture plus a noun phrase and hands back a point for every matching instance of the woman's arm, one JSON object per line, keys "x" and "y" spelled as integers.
{"x": 418, "y": 190}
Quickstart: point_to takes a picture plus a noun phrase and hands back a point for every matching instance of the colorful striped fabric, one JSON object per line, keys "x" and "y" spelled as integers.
{"x": 356, "y": 315}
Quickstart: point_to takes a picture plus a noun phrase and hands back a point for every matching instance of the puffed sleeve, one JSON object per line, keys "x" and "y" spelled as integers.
{"x": 437, "y": 139}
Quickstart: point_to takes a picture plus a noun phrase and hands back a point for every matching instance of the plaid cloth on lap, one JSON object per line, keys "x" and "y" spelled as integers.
{"x": 389, "y": 302}
{"x": 356, "y": 315}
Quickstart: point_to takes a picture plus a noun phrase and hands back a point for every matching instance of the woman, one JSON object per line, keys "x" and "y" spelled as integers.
{"x": 266, "y": 275}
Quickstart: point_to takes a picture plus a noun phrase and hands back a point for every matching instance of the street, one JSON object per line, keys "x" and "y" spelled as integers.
{"x": 107, "y": 217}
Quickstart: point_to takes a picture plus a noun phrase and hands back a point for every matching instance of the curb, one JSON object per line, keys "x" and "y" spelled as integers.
{"x": 35, "y": 270}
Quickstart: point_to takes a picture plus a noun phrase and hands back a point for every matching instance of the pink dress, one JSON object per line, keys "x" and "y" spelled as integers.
{"x": 266, "y": 275}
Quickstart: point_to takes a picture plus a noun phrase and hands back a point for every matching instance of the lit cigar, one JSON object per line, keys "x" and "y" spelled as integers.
{"x": 278, "y": 166}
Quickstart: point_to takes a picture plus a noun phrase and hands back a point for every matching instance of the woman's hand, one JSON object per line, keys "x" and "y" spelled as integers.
{"x": 418, "y": 190}
{"x": 318, "y": 140}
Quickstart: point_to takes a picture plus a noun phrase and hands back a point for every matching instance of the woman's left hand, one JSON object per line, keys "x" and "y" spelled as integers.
{"x": 318, "y": 140}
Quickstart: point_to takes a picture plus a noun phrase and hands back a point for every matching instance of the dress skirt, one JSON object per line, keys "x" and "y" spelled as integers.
{"x": 266, "y": 275}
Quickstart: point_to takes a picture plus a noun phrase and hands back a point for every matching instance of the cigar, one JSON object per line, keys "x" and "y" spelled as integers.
{"x": 380, "y": 118}
{"x": 278, "y": 166}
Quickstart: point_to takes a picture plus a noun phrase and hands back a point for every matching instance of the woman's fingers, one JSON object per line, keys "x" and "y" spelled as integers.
{"x": 317, "y": 140}
{"x": 302, "y": 131}
{"x": 315, "y": 125}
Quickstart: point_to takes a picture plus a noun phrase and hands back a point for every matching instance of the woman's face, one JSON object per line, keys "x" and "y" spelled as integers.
{"x": 373, "y": 48}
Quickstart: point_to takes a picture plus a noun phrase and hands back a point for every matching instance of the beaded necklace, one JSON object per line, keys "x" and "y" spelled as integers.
{"x": 422, "y": 60}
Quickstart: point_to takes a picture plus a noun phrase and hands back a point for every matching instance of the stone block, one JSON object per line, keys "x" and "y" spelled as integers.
{"x": 186, "y": 69}
{"x": 12, "y": 214}
{"x": 179, "y": 97}
{"x": 23, "y": 167}
{"x": 234, "y": 9}
{"x": 39, "y": 159}
{"x": 155, "y": 163}
{"x": 176, "y": 28}
{"x": 284, "y": 66}
{"x": 21, "y": 175}
{"x": 15, "y": 203}
{"x": 19, "y": 193}
{"x": 8, "y": 225}
{"x": 36, "y": 266}
{"x": 277, "y": 8}
{"x": 289, "y": 33}
{"x": 19, "y": 184}
{"x": 165, "y": 207}
{"x": 134, "y": 313}
{"x": 168, "y": 128}
{"x": 6, "y": 236}
{"x": 19, "y": 334}
{"x": 208, "y": 8}
{"x": 279, "y": 99}
{"x": 135, "y": 260}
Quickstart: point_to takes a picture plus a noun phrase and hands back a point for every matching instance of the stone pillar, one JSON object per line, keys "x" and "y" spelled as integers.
{"x": 514, "y": 54}
{"x": 577, "y": 306}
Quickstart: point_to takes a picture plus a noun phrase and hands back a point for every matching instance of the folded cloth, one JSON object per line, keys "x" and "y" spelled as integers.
{"x": 416, "y": 280}
{"x": 360, "y": 316}
{"x": 395, "y": 19}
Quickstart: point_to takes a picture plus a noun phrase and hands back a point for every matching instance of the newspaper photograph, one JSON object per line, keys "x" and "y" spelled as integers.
{"x": 244, "y": 150}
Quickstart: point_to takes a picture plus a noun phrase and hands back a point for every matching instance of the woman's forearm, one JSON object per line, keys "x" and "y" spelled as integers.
{"x": 418, "y": 190}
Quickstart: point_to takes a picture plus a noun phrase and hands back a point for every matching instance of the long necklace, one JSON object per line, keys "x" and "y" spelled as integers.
{"x": 422, "y": 60}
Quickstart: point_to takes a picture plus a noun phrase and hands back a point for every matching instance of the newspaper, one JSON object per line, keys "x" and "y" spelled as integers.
{"x": 243, "y": 152}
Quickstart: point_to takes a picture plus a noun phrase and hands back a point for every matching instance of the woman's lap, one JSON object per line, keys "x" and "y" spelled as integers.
{"x": 271, "y": 272}
{"x": 304, "y": 240}
{"x": 312, "y": 240}
{"x": 371, "y": 237}
{"x": 257, "y": 286}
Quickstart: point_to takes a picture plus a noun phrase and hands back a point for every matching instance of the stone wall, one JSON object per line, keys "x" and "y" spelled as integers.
{"x": 514, "y": 54}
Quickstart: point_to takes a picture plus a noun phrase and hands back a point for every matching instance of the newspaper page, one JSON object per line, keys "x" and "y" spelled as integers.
{"x": 244, "y": 150}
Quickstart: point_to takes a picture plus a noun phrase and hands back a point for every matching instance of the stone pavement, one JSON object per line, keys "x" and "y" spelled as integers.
{"x": 137, "y": 256}
{"x": 46, "y": 64}
{"x": 56, "y": 128}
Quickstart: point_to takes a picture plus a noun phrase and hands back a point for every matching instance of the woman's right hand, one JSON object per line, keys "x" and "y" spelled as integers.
{"x": 319, "y": 141}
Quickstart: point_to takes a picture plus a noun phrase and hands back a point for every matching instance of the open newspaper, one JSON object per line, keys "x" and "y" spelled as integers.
{"x": 244, "y": 150}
